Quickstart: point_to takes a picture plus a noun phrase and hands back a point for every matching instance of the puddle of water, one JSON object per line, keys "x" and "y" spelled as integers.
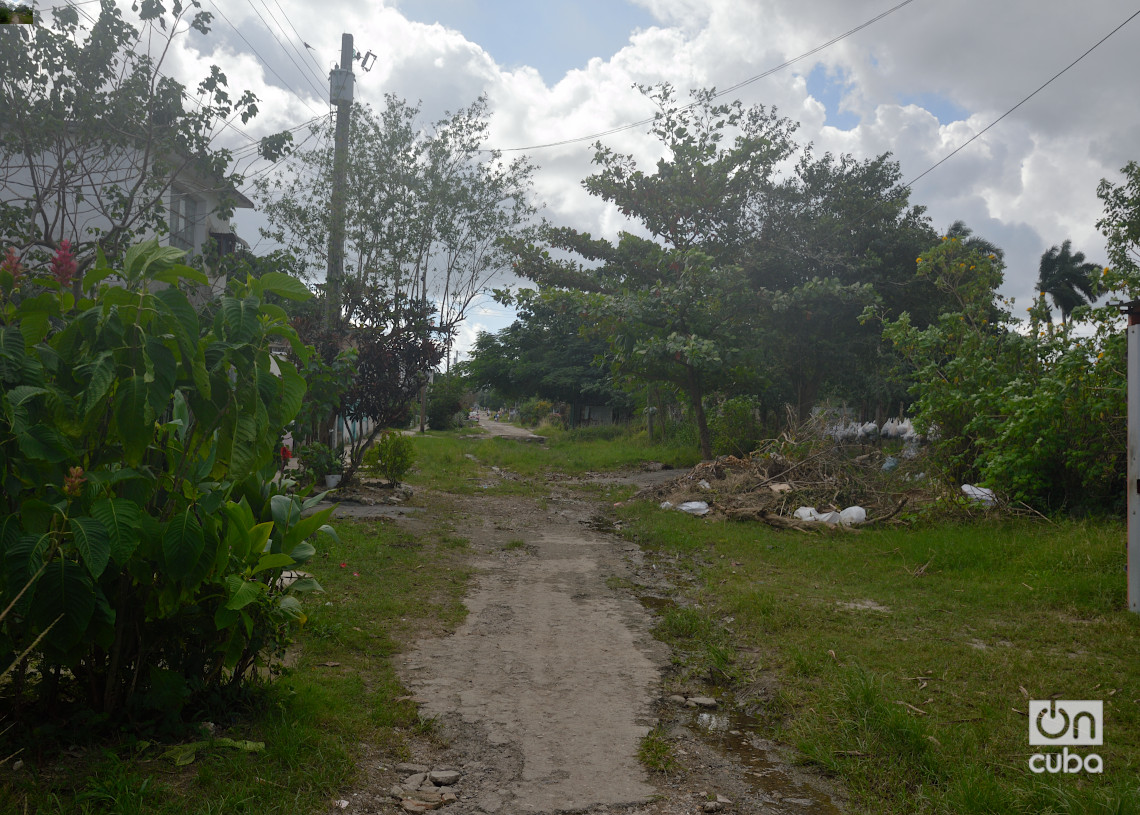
{"x": 658, "y": 605}
{"x": 731, "y": 731}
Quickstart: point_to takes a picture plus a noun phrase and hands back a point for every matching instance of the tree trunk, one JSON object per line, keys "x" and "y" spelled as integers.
{"x": 695, "y": 396}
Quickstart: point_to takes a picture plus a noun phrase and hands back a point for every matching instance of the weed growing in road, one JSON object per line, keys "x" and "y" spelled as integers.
{"x": 656, "y": 753}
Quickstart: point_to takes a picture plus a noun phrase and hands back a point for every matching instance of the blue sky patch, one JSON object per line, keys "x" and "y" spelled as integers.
{"x": 552, "y": 36}
{"x": 828, "y": 88}
{"x": 942, "y": 108}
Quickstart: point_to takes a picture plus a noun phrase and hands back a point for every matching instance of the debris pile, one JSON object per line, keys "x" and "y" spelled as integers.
{"x": 810, "y": 480}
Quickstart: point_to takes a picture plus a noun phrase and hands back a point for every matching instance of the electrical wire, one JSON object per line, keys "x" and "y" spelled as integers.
{"x": 1025, "y": 99}
{"x": 737, "y": 86}
{"x": 304, "y": 74}
{"x": 284, "y": 84}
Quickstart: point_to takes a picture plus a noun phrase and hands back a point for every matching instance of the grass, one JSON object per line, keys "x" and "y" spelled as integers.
{"x": 447, "y": 462}
{"x": 655, "y": 752}
{"x": 383, "y": 587}
{"x": 905, "y": 659}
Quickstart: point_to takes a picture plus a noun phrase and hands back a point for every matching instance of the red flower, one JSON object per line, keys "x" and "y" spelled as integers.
{"x": 73, "y": 483}
{"x": 12, "y": 266}
{"x": 63, "y": 266}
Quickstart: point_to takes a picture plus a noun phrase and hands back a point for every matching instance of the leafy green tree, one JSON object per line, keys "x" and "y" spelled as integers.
{"x": 1067, "y": 278}
{"x": 545, "y": 353}
{"x": 676, "y": 309}
{"x": 93, "y": 136}
{"x": 426, "y": 208}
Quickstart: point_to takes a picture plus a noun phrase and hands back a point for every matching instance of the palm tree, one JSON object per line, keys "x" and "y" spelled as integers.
{"x": 958, "y": 230}
{"x": 1067, "y": 278}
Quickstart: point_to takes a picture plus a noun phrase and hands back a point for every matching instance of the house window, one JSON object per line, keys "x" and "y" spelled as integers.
{"x": 183, "y": 220}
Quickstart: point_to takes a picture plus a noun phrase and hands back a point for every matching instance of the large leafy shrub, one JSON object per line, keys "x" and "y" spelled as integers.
{"x": 1035, "y": 412}
{"x": 137, "y": 536}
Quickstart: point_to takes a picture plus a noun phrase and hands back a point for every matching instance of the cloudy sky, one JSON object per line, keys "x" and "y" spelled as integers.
{"x": 917, "y": 83}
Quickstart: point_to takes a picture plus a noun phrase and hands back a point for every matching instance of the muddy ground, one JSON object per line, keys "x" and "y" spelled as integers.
{"x": 544, "y": 693}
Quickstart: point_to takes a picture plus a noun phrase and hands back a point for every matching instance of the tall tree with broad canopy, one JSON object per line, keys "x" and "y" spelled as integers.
{"x": 545, "y": 353}
{"x": 426, "y": 208}
{"x": 677, "y": 308}
{"x": 93, "y": 136}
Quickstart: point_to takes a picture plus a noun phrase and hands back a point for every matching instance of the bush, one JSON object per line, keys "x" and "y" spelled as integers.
{"x": 533, "y": 411}
{"x": 390, "y": 457}
{"x": 135, "y": 565}
{"x": 445, "y": 402}
{"x": 735, "y": 429}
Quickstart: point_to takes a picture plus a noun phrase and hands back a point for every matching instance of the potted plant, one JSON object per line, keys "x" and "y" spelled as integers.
{"x": 323, "y": 462}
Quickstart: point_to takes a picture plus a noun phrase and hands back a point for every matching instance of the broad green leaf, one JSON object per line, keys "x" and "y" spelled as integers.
{"x": 272, "y": 561}
{"x": 302, "y": 552}
{"x": 285, "y": 512}
{"x": 90, "y": 537}
{"x": 259, "y": 537}
{"x": 304, "y": 585}
{"x": 100, "y": 374}
{"x": 63, "y": 591}
{"x": 284, "y": 285}
{"x": 302, "y": 529}
{"x": 292, "y": 391}
{"x": 242, "y": 593}
{"x": 179, "y": 272}
{"x": 239, "y": 317}
{"x": 182, "y": 544}
{"x": 34, "y": 326}
{"x": 173, "y": 303}
{"x": 134, "y": 418}
{"x": 120, "y": 518}
{"x": 21, "y": 394}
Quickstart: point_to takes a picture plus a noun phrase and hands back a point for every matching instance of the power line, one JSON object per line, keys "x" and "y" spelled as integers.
{"x": 1042, "y": 87}
{"x": 284, "y": 84}
{"x": 320, "y": 71}
{"x": 737, "y": 86}
{"x": 300, "y": 70}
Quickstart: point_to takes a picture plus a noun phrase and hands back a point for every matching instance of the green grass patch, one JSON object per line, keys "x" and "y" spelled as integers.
{"x": 656, "y": 753}
{"x": 906, "y": 658}
{"x": 451, "y": 463}
{"x": 383, "y": 587}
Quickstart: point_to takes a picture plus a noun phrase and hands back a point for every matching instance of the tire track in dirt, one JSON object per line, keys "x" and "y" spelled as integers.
{"x": 552, "y": 669}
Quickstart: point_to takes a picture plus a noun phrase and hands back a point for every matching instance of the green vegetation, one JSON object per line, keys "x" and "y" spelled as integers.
{"x": 903, "y": 660}
{"x": 391, "y": 457}
{"x": 339, "y": 691}
{"x": 453, "y": 464}
{"x": 655, "y": 752}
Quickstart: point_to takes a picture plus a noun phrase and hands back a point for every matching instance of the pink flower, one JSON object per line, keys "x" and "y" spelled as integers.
{"x": 63, "y": 266}
{"x": 344, "y": 565}
{"x": 12, "y": 266}
{"x": 356, "y": 574}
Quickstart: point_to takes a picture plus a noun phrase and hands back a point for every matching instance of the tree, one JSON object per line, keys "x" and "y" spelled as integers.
{"x": 93, "y": 136}
{"x": 425, "y": 209}
{"x": 677, "y": 308}
{"x": 1067, "y": 278}
{"x": 396, "y": 347}
{"x": 545, "y": 353}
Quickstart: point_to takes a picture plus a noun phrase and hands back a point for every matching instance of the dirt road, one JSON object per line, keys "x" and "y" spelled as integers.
{"x": 543, "y": 694}
{"x": 550, "y": 680}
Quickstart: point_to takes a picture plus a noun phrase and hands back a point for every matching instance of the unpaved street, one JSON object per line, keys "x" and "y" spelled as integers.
{"x": 542, "y": 695}
{"x": 551, "y": 666}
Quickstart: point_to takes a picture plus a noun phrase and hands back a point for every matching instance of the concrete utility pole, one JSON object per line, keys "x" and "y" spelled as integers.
{"x": 1133, "y": 484}
{"x": 340, "y": 94}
